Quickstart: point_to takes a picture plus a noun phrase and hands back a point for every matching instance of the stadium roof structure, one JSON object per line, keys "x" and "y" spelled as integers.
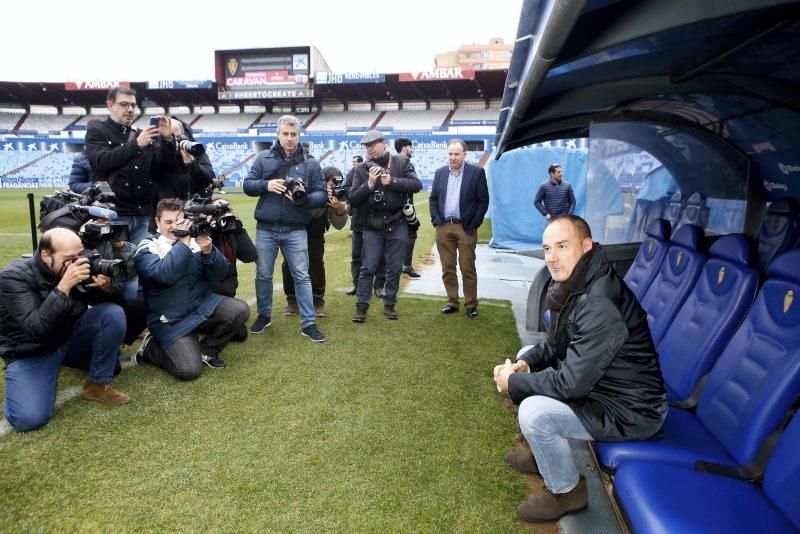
{"x": 486, "y": 85}
{"x": 711, "y": 65}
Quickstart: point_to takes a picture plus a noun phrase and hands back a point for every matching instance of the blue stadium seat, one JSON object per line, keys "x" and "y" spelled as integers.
{"x": 674, "y": 209}
{"x": 709, "y": 317}
{"x": 749, "y": 390}
{"x": 666, "y": 498}
{"x": 675, "y": 279}
{"x": 779, "y": 231}
{"x": 648, "y": 260}
{"x": 694, "y": 212}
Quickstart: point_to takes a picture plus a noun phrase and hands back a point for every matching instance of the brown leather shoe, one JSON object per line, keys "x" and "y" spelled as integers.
{"x": 522, "y": 461}
{"x": 550, "y": 506}
{"x": 105, "y": 393}
{"x": 319, "y": 310}
{"x": 291, "y": 309}
{"x": 389, "y": 312}
{"x": 360, "y": 315}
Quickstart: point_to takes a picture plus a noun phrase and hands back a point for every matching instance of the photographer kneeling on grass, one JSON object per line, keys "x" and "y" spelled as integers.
{"x": 189, "y": 324}
{"x": 46, "y": 322}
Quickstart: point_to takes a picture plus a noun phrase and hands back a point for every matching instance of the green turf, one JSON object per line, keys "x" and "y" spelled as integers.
{"x": 389, "y": 426}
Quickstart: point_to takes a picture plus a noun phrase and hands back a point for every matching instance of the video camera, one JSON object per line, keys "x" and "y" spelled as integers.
{"x": 71, "y": 210}
{"x": 94, "y": 233}
{"x": 198, "y": 209}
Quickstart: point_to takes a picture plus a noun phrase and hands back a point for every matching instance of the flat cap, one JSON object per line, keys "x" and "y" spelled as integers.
{"x": 372, "y": 136}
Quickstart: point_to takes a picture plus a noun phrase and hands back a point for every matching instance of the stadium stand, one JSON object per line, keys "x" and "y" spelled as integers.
{"x": 9, "y": 118}
{"x": 53, "y": 165}
{"x": 13, "y": 160}
{"x": 340, "y": 121}
{"x": 468, "y": 114}
{"x": 225, "y": 122}
{"x": 414, "y": 120}
{"x": 46, "y": 122}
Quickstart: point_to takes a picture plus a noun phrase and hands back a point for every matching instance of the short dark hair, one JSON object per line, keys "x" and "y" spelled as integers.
{"x": 581, "y": 226}
{"x": 552, "y": 168}
{"x": 359, "y": 159}
{"x": 400, "y": 143}
{"x": 46, "y": 243}
{"x": 168, "y": 204}
{"x": 460, "y": 142}
{"x": 114, "y": 91}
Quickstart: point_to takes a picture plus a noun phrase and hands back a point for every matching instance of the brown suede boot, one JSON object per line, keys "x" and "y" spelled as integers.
{"x": 360, "y": 315}
{"x": 522, "y": 461}
{"x": 105, "y": 393}
{"x": 550, "y": 506}
{"x": 390, "y": 312}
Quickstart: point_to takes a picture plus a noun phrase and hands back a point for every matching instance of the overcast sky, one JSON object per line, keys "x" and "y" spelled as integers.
{"x": 55, "y": 41}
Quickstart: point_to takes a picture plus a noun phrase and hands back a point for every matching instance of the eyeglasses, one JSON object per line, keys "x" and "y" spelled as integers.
{"x": 126, "y": 105}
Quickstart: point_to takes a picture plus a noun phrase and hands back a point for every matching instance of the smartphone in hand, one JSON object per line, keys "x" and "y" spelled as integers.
{"x": 154, "y": 121}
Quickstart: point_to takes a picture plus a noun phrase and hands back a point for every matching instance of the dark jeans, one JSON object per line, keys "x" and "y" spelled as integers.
{"x": 316, "y": 270}
{"x": 357, "y": 244}
{"x": 93, "y": 346}
{"x": 408, "y": 259}
{"x": 182, "y": 359}
{"x": 377, "y": 245}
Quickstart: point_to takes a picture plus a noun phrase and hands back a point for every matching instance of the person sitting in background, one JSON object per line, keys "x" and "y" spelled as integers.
{"x": 176, "y": 272}
{"x": 595, "y": 377}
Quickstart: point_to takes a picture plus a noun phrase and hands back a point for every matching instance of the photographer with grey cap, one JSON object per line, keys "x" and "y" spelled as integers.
{"x": 380, "y": 188}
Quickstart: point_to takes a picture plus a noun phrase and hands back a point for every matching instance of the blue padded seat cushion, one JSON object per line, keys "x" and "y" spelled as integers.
{"x": 683, "y": 442}
{"x": 662, "y": 498}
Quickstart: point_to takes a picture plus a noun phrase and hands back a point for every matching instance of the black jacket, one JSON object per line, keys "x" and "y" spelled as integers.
{"x": 599, "y": 359}
{"x": 234, "y": 246}
{"x": 133, "y": 170}
{"x": 186, "y": 180}
{"x": 385, "y": 215}
{"x": 35, "y": 317}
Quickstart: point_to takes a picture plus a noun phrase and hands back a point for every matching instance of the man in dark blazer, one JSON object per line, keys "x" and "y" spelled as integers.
{"x": 459, "y": 200}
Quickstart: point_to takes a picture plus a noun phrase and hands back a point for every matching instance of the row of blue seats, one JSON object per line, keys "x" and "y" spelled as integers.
{"x": 730, "y": 355}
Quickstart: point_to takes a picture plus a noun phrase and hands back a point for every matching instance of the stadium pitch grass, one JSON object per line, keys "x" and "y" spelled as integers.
{"x": 390, "y": 425}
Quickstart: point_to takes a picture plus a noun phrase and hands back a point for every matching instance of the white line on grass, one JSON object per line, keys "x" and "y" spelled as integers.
{"x": 61, "y": 397}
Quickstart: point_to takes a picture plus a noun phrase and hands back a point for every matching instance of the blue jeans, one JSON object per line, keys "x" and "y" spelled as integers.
{"x": 546, "y": 424}
{"x": 31, "y": 382}
{"x": 137, "y": 227}
{"x": 294, "y": 245}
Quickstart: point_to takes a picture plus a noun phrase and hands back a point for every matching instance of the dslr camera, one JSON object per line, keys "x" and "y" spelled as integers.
{"x": 377, "y": 195}
{"x": 297, "y": 187}
{"x": 114, "y": 269}
{"x": 192, "y": 147}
